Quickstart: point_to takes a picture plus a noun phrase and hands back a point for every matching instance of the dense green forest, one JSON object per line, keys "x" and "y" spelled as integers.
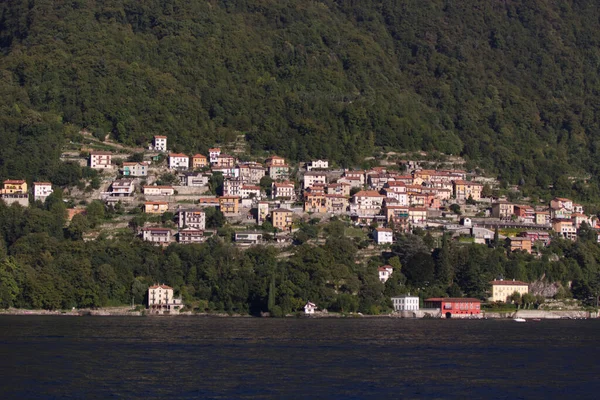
{"x": 511, "y": 86}
{"x": 43, "y": 265}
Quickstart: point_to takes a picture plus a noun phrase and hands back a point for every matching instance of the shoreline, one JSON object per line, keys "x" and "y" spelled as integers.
{"x": 128, "y": 312}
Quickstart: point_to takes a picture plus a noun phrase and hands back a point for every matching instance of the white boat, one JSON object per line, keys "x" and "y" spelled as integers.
{"x": 519, "y": 320}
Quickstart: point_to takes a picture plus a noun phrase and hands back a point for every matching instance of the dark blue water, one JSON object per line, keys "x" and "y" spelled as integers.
{"x": 220, "y": 358}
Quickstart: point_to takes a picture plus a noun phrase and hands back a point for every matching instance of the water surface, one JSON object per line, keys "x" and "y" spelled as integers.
{"x": 195, "y": 357}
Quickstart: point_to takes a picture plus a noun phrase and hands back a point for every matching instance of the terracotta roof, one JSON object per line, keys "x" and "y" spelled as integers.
{"x": 156, "y": 229}
{"x": 383, "y": 230}
{"x": 42, "y": 183}
{"x": 163, "y": 286}
{"x": 214, "y": 150}
{"x": 199, "y": 156}
{"x": 282, "y": 210}
{"x": 157, "y": 187}
{"x": 250, "y": 187}
{"x": 159, "y": 137}
{"x": 503, "y": 282}
{"x": 178, "y": 155}
{"x": 156, "y": 202}
{"x": 368, "y": 193}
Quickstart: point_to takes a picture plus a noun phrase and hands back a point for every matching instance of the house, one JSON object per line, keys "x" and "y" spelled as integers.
{"x": 250, "y": 191}
{"x": 251, "y": 172}
{"x": 405, "y": 302}
{"x": 277, "y": 168}
{"x": 262, "y": 212}
{"x": 309, "y": 308}
{"x": 283, "y": 190}
{"x": 248, "y": 237}
{"x": 417, "y": 215}
{"x": 199, "y": 161}
{"x": 41, "y": 190}
{"x": 14, "y": 186}
{"x": 190, "y": 235}
{"x": 368, "y": 200}
{"x": 282, "y": 218}
{"x": 455, "y": 307}
{"x": 208, "y": 201}
{"x": 317, "y": 164}
{"x": 227, "y": 172}
{"x": 502, "y": 210}
{"x": 560, "y": 202}
{"x": 354, "y": 175}
{"x": 398, "y": 215}
{"x": 157, "y": 190}
{"x": 122, "y": 188}
{"x": 225, "y": 161}
{"x": 353, "y": 182}
{"x": 502, "y": 290}
{"x": 229, "y": 205}
{"x": 336, "y": 203}
{"x": 385, "y": 272}
{"x": 194, "y": 218}
{"x": 565, "y": 228}
{"x": 519, "y": 244}
{"x": 383, "y": 235}
{"x": 156, "y": 235}
{"x": 579, "y": 219}
{"x": 542, "y": 218}
{"x": 232, "y": 186}
{"x": 100, "y": 159}
{"x": 135, "y": 168}
{"x": 312, "y": 178}
{"x": 464, "y": 190}
{"x": 315, "y": 203}
{"x": 213, "y": 154}
{"x": 161, "y": 300}
{"x": 537, "y": 236}
{"x": 192, "y": 179}
{"x": 525, "y": 214}
{"x": 338, "y": 188}
{"x": 160, "y": 143}
{"x": 179, "y": 161}
{"x": 155, "y": 207}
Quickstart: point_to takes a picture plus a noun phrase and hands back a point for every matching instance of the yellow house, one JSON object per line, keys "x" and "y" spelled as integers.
{"x": 14, "y": 187}
{"x": 282, "y": 219}
{"x": 465, "y": 189}
{"x": 502, "y": 289}
{"x": 229, "y": 205}
{"x": 199, "y": 161}
{"x": 155, "y": 207}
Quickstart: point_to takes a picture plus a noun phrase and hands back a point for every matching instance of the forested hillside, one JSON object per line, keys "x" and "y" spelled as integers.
{"x": 513, "y": 86}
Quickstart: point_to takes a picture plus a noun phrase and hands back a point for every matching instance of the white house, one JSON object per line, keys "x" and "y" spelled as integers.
{"x": 248, "y": 237}
{"x": 192, "y": 218}
{"x": 41, "y": 190}
{"x": 156, "y": 190}
{"x": 385, "y": 272}
{"x": 213, "y": 155}
{"x": 179, "y": 161}
{"x": 309, "y": 308}
{"x": 156, "y": 235}
{"x": 191, "y": 236}
{"x": 100, "y": 159}
{"x": 283, "y": 190}
{"x": 406, "y": 302}
{"x": 161, "y": 300}
{"x": 317, "y": 164}
{"x": 383, "y": 235}
{"x": 312, "y": 178}
{"x": 122, "y": 187}
{"x": 160, "y": 143}
{"x": 248, "y": 191}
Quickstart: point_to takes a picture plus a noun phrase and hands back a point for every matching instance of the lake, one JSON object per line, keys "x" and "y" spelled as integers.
{"x": 221, "y": 358}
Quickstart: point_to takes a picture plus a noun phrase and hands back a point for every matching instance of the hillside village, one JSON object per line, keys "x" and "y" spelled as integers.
{"x": 165, "y": 197}
{"x": 264, "y": 200}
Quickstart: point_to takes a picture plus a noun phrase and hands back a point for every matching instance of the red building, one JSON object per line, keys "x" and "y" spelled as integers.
{"x": 455, "y": 306}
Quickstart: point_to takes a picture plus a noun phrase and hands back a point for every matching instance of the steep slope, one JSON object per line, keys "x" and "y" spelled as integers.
{"x": 510, "y": 85}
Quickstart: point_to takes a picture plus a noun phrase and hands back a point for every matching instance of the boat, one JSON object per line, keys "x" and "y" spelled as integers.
{"x": 519, "y": 320}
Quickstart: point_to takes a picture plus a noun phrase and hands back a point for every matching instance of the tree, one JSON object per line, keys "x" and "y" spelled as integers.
{"x": 455, "y": 208}
{"x": 266, "y": 183}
